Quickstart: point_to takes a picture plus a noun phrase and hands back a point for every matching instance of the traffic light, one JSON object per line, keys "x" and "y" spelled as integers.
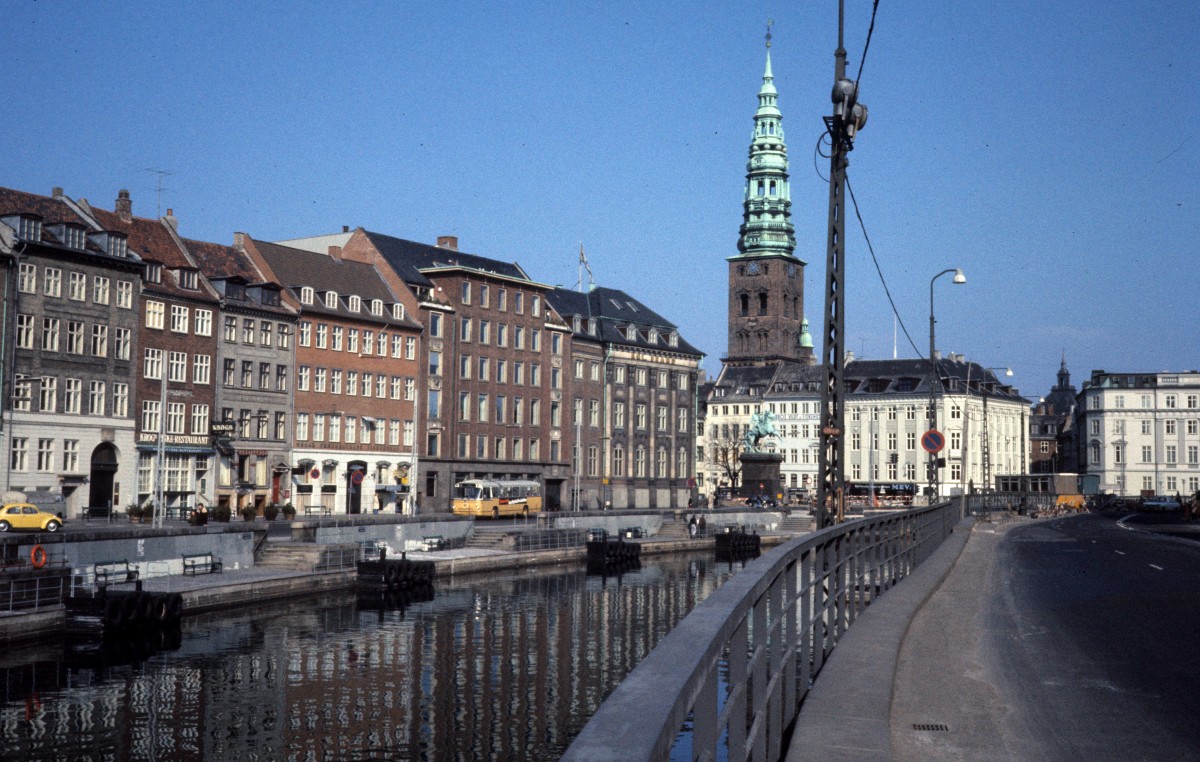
{"x": 894, "y": 458}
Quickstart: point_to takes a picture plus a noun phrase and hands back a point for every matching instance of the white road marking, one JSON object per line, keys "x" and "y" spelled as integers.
{"x": 1156, "y": 566}
{"x": 1121, "y": 552}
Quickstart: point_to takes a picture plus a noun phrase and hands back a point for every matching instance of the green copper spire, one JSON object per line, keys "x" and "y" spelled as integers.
{"x": 767, "y": 210}
{"x": 805, "y": 336}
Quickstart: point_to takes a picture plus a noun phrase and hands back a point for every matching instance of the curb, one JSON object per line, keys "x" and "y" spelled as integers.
{"x": 847, "y": 713}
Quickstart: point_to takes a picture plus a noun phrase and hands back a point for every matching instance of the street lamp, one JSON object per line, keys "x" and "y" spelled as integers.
{"x": 933, "y": 375}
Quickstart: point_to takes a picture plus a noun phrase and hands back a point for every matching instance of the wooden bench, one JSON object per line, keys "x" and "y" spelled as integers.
{"x": 313, "y": 509}
{"x": 105, "y": 572}
{"x": 433, "y": 542}
{"x": 196, "y": 563}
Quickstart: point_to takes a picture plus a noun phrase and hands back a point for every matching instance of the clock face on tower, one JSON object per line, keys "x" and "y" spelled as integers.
{"x": 752, "y": 268}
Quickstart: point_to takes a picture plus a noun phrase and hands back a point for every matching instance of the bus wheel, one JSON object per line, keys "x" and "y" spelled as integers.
{"x": 495, "y": 512}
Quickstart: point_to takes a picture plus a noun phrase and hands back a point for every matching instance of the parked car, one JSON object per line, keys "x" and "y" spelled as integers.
{"x": 28, "y": 516}
{"x": 1161, "y": 505}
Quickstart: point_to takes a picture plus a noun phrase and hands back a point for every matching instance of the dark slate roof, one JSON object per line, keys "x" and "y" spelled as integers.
{"x": 299, "y": 268}
{"x": 614, "y": 311}
{"x": 408, "y": 258}
{"x": 881, "y": 377}
{"x": 738, "y": 381}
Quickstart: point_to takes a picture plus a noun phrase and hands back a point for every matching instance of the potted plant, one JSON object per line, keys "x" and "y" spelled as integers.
{"x": 248, "y": 512}
{"x": 222, "y": 513}
{"x": 271, "y": 511}
{"x": 289, "y": 511}
{"x": 135, "y": 513}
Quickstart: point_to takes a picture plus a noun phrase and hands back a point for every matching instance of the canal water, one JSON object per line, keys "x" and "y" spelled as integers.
{"x": 509, "y": 666}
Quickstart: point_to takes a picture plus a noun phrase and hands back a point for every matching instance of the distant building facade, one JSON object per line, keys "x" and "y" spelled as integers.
{"x": 1139, "y": 433}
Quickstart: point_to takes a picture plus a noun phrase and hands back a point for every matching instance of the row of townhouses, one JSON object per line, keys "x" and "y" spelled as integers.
{"x": 342, "y": 373}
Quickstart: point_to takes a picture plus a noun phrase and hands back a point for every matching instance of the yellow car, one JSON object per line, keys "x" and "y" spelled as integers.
{"x": 28, "y": 516}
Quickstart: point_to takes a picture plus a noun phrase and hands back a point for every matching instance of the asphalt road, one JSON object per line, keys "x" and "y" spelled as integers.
{"x": 1063, "y": 639}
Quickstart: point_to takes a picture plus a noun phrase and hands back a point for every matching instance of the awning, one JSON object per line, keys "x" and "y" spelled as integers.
{"x": 329, "y": 463}
{"x": 305, "y": 463}
{"x": 383, "y": 464}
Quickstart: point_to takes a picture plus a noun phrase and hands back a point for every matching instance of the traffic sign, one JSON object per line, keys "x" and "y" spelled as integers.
{"x": 933, "y": 441}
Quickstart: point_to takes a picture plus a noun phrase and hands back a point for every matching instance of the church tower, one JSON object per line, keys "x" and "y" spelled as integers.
{"x": 766, "y": 280}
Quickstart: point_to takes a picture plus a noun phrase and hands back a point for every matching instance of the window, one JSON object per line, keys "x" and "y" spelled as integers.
{"x": 466, "y": 293}
{"x": 410, "y": 348}
{"x": 319, "y": 380}
{"x": 535, "y": 412}
{"x": 305, "y": 333}
{"x": 1169, "y": 427}
{"x": 283, "y": 332}
{"x": 155, "y": 311}
{"x": 352, "y": 383}
{"x": 48, "y": 394}
{"x": 25, "y": 331}
{"x": 199, "y": 419}
{"x": 74, "y": 337}
{"x": 485, "y": 332}
{"x": 352, "y": 343}
{"x": 640, "y": 416}
{"x": 619, "y": 415}
{"x": 301, "y": 426}
{"x": 70, "y": 455}
{"x": 248, "y": 331}
{"x": 152, "y": 363}
{"x": 248, "y": 374}
{"x": 19, "y": 459}
{"x": 1147, "y": 454}
{"x": 435, "y": 324}
{"x": 410, "y": 388}
{"x": 77, "y": 288}
{"x": 281, "y": 375}
{"x": 177, "y": 366}
{"x": 52, "y": 282}
{"x": 100, "y": 289}
{"x": 124, "y": 294}
{"x": 322, "y": 336}
{"x": 203, "y": 321}
{"x": 264, "y": 375}
{"x": 99, "y": 341}
{"x": 151, "y": 410}
{"x": 120, "y": 400}
{"x": 265, "y": 332}
{"x": 1170, "y": 401}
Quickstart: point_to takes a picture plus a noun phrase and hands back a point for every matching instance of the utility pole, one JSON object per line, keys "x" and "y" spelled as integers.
{"x": 848, "y": 117}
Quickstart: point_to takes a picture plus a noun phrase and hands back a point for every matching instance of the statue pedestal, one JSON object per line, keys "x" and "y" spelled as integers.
{"x": 760, "y": 474}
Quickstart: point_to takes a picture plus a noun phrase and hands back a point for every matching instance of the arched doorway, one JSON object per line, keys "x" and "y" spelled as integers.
{"x": 356, "y": 475}
{"x": 102, "y": 478}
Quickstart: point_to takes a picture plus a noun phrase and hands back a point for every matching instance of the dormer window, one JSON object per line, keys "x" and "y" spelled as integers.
{"x": 576, "y": 323}
{"x": 331, "y": 300}
{"x": 355, "y": 303}
{"x": 118, "y": 245}
{"x": 592, "y": 326}
{"x": 153, "y": 272}
{"x": 270, "y": 297}
{"x": 74, "y": 236}
{"x": 28, "y": 226}
{"x": 673, "y": 339}
{"x": 306, "y": 295}
{"x": 376, "y": 306}
{"x": 235, "y": 291}
{"x": 631, "y": 333}
{"x": 398, "y": 311}
{"x": 652, "y": 336}
{"x": 189, "y": 279}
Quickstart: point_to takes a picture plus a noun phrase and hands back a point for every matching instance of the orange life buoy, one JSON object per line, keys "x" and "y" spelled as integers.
{"x": 37, "y": 556}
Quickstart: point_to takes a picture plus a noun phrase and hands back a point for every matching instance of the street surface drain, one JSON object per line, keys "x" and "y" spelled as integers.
{"x": 941, "y": 728}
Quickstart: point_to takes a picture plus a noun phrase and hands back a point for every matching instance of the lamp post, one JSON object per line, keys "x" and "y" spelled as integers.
{"x": 933, "y": 377}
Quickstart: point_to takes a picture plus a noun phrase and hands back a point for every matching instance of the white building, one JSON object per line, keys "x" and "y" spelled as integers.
{"x": 1139, "y": 433}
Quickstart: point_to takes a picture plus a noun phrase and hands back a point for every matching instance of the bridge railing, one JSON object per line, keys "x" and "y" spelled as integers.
{"x": 735, "y": 670}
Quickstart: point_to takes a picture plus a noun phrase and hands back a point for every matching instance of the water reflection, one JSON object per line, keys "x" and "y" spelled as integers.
{"x": 488, "y": 669}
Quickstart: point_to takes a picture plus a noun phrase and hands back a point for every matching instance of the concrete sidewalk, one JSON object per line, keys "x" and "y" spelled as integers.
{"x": 847, "y": 714}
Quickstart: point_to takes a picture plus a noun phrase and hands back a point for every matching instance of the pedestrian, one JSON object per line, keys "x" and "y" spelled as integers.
{"x": 701, "y": 527}
{"x": 692, "y": 527}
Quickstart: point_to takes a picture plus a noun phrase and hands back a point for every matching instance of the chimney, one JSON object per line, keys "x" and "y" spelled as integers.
{"x": 448, "y": 242}
{"x": 56, "y": 192}
{"x": 239, "y": 241}
{"x": 335, "y": 252}
{"x": 345, "y": 228}
{"x": 124, "y": 206}
{"x": 172, "y": 220}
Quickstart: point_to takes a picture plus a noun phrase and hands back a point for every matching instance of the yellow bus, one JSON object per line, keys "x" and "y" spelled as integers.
{"x": 496, "y": 498}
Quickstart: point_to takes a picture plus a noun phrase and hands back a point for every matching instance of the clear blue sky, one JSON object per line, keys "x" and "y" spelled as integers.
{"x": 1050, "y": 148}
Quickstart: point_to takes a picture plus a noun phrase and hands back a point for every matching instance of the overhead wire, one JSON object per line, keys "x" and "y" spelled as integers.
{"x": 878, "y": 269}
{"x": 867, "y": 45}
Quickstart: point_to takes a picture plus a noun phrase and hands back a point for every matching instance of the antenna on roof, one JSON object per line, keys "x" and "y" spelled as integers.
{"x": 159, "y": 189}
{"x": 583, "y": 265}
